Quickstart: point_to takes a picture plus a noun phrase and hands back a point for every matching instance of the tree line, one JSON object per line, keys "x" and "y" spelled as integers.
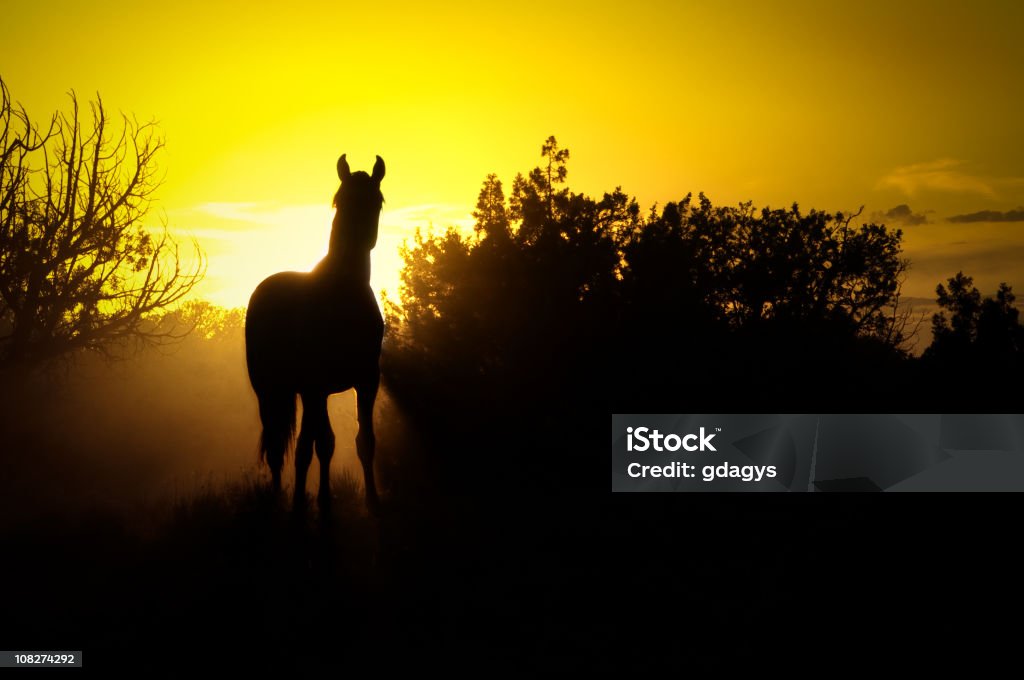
{"x": 556, "y": 300}
{"x": 562, "y": 304}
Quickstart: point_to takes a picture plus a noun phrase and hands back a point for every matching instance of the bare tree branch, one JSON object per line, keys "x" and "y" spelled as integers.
{"x": 79, "y": 267}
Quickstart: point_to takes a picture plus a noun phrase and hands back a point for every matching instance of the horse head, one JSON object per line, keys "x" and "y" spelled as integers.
{"x": 358, "y": 201}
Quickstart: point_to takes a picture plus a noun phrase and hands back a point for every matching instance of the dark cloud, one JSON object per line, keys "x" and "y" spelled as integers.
{"x": 991, "y": 216}
{"x": 901, "y": 214}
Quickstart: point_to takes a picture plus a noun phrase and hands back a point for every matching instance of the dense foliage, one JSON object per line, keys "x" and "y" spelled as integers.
{"x": 560, "y": 303}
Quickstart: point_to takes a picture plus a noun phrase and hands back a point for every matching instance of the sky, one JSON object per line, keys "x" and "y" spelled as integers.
{"x": 910, "y": 109}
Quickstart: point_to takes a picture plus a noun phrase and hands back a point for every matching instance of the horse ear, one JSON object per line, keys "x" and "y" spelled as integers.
{"x": 378, "y": 169}
{"x": 343, "y": 172}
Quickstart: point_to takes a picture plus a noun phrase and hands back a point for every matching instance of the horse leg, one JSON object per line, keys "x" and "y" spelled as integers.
{"x": 277, "y": 415}
{"x": 275, "y": 459}
{"x": 304, "y": 447}
{"x": 324, "y": 451}
{"x": 366, "y": 395}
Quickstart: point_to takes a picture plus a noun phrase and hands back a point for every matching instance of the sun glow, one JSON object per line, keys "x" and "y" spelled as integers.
{"x": 874, "y": 104}
{"x": 247, "y": 242}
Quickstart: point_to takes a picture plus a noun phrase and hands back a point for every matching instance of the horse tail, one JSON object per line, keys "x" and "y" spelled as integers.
{"x": 277, "y": 413}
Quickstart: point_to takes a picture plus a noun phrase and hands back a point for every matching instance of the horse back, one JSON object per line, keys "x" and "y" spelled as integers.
{"x": 308, "y": 332}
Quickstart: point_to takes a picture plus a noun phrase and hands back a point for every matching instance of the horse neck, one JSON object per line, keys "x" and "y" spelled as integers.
{"x": 345, "y": 256}
{"x": 350, "y": 264}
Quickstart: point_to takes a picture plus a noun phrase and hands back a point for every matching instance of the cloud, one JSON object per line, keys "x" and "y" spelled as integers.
{"x": 240, "y": 216}
{"x": 247, "y": 214}
{"x": 227, "y": 209}
{"x": 901, "y": 214}
{"x": 991, "y": 216}
{"x": 989, "y": 262}
{"x": 944, "y": 175}
{"x": 438, "y": 215}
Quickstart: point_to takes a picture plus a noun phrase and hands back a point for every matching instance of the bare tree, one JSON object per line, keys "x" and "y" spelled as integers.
{"x": 79, "y": 270}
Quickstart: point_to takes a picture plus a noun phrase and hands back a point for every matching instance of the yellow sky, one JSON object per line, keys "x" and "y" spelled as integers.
{"x": 833, "y": 105}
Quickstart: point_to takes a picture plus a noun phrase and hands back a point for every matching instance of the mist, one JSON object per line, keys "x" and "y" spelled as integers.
{"x": 134, "y": 435}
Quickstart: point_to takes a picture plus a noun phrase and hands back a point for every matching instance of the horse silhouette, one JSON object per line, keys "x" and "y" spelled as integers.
{"x": 316, "y": 333}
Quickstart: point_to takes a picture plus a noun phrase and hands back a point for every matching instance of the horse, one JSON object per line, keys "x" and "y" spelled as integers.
{"x": 317, "y": 333}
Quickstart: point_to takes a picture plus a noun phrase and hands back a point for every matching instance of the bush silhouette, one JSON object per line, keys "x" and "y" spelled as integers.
{"x": 561, "y": 306}
{"x": 977, "y": 344}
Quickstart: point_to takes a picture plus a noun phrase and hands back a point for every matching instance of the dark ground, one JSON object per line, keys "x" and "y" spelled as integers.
{"x": 505, "y": 554}
{"x": 522, "y": 583}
